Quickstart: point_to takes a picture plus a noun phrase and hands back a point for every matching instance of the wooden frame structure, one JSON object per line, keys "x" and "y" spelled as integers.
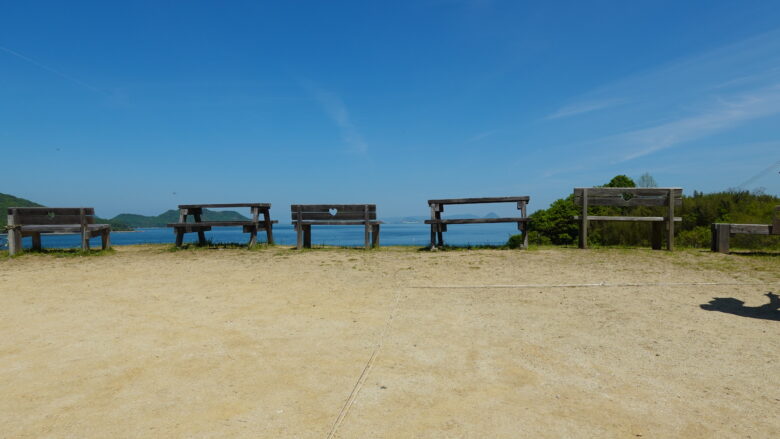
{"x": 35, "y": 221}
{"x": 669, "y": 198}
{"x": 306, "y": 215}
{"x": 198, "y": 225}
{"x": 439, "y": 225}
{"x": 722, "y": 232}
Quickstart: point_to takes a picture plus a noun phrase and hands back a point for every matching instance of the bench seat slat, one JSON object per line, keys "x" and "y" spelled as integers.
{"x": 476, "y": 220}
{"x": 335, "y": 223}
{"x": 220, "y": 224}
{"x": 480, "y": 200}
{"x": 305, "y": 208}
{"x": 628, "y": 218}
{"x": 61, "y": 228}
{"x": 221, "y": 205}
{"x": 340, "y": 215}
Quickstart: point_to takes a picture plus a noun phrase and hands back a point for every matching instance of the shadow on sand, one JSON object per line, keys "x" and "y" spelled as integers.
{"x": 730, "y": 305}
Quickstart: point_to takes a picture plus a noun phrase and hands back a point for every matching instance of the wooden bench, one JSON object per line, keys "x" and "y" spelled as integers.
{"x": 34, "y": 221}
{"x": 722, "y": 232}
{"x": 668, "y": 198}
{"x": 251, "y": 226}
{"x": 306, "y": 215}
{"x": 439, "y": 225}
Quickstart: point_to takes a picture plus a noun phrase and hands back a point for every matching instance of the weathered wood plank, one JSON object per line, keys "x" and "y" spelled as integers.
{"x": 335, "y": 223}
{"x": 480, "y": 200}
{"x": 635, "y": 191}
{"x": 619, "y": 201}
{"x": 326, "y": 207}
{"x": 56, "y": 219}
{"x": 260, "y": 224}
{"x": 28, "y": 230}
{"x": 626, "y": 218}
{"x": 221, "y": 205}
{"x": 476, "y": 220}
{"x": 750, "y": 229}
{"x": 46, "y": 210}
{"x": 340, "y": 215}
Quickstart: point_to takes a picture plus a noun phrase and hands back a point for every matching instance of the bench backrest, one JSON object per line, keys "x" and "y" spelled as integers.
{"x": 22, "y": 216}
{"x": 333, "y": 212}
{"x": 627, "y": 196}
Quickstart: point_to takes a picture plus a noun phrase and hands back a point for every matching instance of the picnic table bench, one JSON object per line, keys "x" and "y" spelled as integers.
{"x": 252, "y": 226}
{"x": 439, "y": 225}
{"x": 306, "y": 215}
{"x": 722, "y": 232}
{"x": 668, "y": 198}
{"x": 35, "y": 221}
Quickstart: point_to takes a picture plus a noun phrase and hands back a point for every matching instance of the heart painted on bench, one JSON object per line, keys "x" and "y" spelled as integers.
{"x": 51, "y": 214}
{"x": 333, "y": 211}
{"x": 627, "y": 196}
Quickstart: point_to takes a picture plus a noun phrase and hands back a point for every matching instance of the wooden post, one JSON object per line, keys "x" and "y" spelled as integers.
{"x": 433, "y": 226}
{"x": 584, "y": 220}
{"x": 252, "y": 236}
{"x": 179, "y": 235}
{"x": 656, "y": 235}
{"x": 721, "y": 234}
{"x": 36, "y": 241}
{"x": 14, "y": 240}
{"x": 84, "y": 231}
{"x": 375, "y": 236}
{"x": 105, "y": 239}
{"x": 439, "y": 228}
{"x": 670, "y": 237}
{"x": 307, "y": 235}
{"x": 269, "y": 234}
{"x": 775, "y": 230}
{"x": 201, "y": 234}
{"x": 522, "y": 206}
{"x": 366, "y": 228}
{"x": 299, "y": 228}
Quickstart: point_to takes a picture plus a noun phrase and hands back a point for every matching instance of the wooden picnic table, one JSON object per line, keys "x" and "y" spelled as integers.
{"x": 439, "y": 225}
{"x": 198, "y": 225}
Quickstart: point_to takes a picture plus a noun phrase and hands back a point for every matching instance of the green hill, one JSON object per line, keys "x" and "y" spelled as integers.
{"x": 7, "y": 201}
{"x": 172, "y": 216}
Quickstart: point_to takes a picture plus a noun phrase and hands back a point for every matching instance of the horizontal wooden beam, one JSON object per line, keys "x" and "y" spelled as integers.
{"x": 627, "y": 218}
{"x": 476, "y": 220}
{"x": 219, "y": 224}
{"x": 220, "y": 205}
{"x": 749, "y": 229}
{"x": 481, "y": 200}
{"x": 55, "y": 210}
{"x": 335, "y": 223}
{"x": 637, "y": 191}
{"x": 327, "y": 207}
{"x": 340, "y": 215}
{"x": 619, "y": 201}
{"x": 62, "y": 228}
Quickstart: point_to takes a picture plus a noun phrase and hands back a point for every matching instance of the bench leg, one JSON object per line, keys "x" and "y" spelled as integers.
{"x": 524, "y": 228}
{"x": 269, "y": 234}
{"x": 584, "y": 233}
{"x": 36, "y": 242}
{"x": 433, "y": 237}
{"x": 307, "y": 236}
{"x": 201, "y": 237}
{"x": 14, "y": 241}
{"x": 656, "y": 235}
{"x": 367, "y": 236}
{"x": 85, "y": 241}
{"x": 105, "y": 239}
{"x": 252, "y": 237}
{"x": 179, "y": 237}
{"x": 299, "y": 234}
{"x": 375, "y": 236}
{"x": 720, "y": 238}
{"x": 440, "y": 235}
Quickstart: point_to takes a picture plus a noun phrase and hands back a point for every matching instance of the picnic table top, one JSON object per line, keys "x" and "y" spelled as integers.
{"x": 197, "y": 206}
{"x": 480, "y": 200}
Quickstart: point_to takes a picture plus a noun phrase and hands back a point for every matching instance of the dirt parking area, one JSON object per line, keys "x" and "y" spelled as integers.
{"x": 390, "y": 343}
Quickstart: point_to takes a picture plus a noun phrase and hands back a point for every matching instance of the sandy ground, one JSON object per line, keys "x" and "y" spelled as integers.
{"x": 391, "y": 343}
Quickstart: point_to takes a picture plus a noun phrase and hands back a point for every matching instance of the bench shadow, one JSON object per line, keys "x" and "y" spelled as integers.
{"x": 730, "y": 305}
{"x": 756, "y": 253}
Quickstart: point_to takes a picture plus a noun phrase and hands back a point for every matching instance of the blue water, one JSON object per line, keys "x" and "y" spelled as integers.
{"x": 417, "y": 235}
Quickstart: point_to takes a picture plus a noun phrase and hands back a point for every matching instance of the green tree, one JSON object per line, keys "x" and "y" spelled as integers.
{"x": 621, "y": 181}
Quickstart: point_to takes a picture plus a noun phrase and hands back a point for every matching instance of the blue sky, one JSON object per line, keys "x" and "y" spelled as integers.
{"x": 140, "y": 106}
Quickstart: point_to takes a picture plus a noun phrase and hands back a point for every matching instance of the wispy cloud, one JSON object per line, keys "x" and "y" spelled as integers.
{"x": 49, "y": 69}
{"x": 725, "y": 114}
{"x": 584, "y": 107}
{"x": 335, "y": 109}
{"x": 480, "y": 136}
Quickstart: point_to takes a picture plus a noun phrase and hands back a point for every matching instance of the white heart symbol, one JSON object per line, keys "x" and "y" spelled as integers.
{"x": 333, "y": 211}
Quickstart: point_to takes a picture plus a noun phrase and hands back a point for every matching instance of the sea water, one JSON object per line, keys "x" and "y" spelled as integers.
{"x": 416, "y": 235}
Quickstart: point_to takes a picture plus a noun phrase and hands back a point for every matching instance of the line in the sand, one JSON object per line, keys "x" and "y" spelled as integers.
{"x": 600, "y": 284}
{"x": 366, "y": 369}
